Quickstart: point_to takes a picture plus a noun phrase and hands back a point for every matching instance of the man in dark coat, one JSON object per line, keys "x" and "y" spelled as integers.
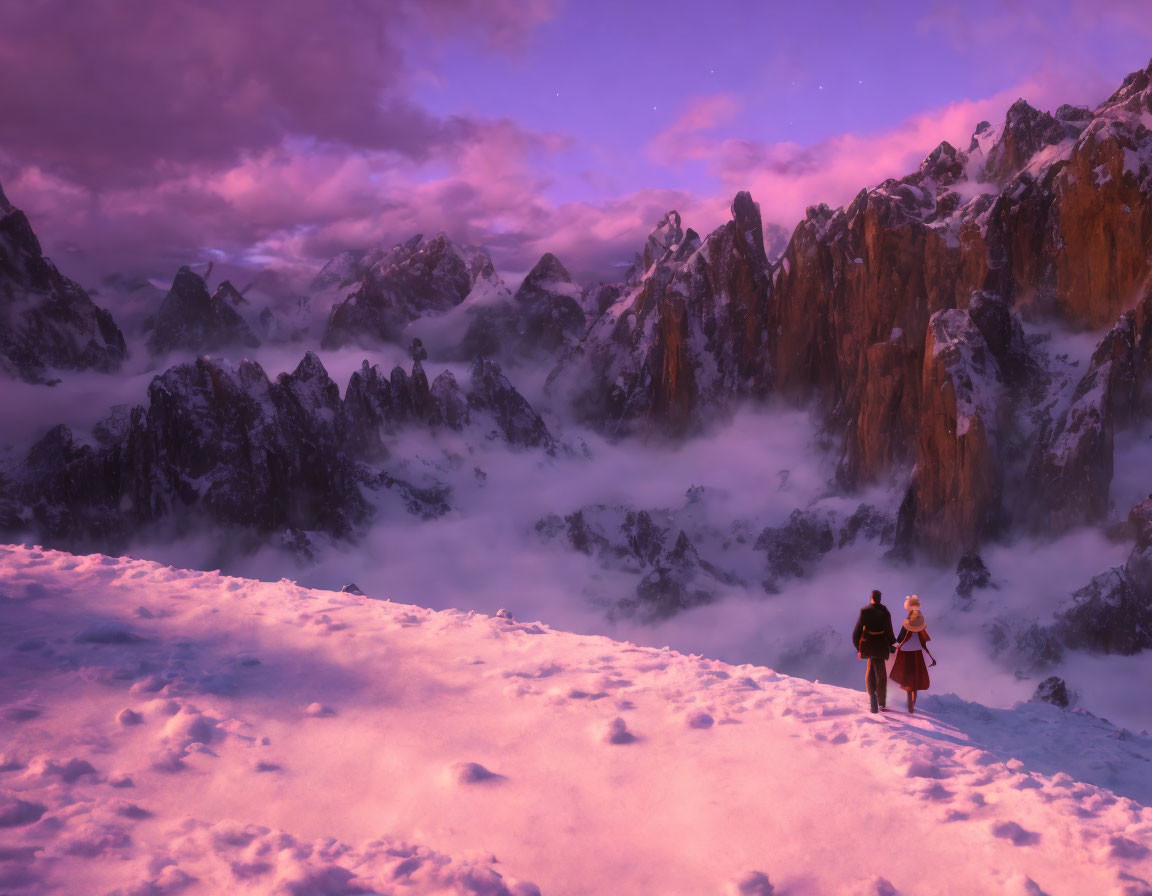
{"x": 874, "y": 639}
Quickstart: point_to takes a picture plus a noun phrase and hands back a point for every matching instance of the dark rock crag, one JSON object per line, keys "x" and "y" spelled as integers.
{"x": 47, "y": 322}
{"x": 222, "y": 444}
{"x": 192, "y": 319}
{"x": 387, "y": 289}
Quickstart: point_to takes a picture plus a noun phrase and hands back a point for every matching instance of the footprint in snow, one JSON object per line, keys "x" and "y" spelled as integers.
{"x": 129, "y": 717}
{"x": 107, "y": 633}
{"x": 69, "y": 772}
{"x": 1010, "y": 830}
{"x": 1023, "y": 885}
{"x": 188, "y": 726}
{"x": 150, "y": 685}
{"x": 125, "y": 809}
{"x": 1131, "y": 885}
{"x": 937, "y": 792}
{"x": 878, "y": 886}
{"x": 616, "y": 732}
{"x": 577, "y": 694}
{"x": 920, "y": 768}
{"x": 1123, "y": 848}
{"x": 542, "y": 670}
{"x": 93, "y": 839}
{"x": 169, "y": 761}
{"x": 170, "y": 880}
{"x": 754, "y": 883}
{"x": 472, "y": 773}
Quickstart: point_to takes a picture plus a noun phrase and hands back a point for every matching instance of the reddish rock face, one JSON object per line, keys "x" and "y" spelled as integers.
{"x": 852, "y": 301}
{"x": 1064, "y": 227}
{"x": 1046, "y": 213}
{"x": 1105, "y": 227}
{"x": 958, "y": 473}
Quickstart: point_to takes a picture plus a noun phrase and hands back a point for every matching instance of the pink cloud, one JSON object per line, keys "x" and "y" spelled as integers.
{"x": 118, "y": 92}
{"x": 292, "y": 200}
{"x": 301, "y": 202}
{"x": 785, "y": 178}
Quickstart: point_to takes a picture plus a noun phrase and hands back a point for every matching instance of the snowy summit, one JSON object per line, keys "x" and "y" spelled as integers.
{"x": 166, "y": 731}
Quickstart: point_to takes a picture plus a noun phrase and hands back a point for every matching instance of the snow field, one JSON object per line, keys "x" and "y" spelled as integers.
{"x": 167, "y": 731}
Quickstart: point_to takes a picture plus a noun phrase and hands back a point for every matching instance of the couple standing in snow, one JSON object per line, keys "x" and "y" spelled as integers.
{"x": 874, "y": 641}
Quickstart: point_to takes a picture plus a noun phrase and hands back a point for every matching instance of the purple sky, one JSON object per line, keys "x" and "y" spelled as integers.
{"x": 141, "y": 135}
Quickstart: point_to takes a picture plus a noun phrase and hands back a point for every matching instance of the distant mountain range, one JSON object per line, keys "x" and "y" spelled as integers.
{"x": 903, "y": 317}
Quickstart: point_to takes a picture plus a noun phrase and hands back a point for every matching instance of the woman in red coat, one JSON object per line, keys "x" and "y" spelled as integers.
{"x": 909, "y": 670}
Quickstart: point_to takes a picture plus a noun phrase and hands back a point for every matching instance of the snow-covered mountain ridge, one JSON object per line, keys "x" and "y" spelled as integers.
{"x": 168, "y": 731}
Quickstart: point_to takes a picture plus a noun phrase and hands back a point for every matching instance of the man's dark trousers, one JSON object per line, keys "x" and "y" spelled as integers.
{"x": 876, "y": 682}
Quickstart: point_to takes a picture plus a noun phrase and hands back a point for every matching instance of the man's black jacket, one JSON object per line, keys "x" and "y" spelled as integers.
{"x": 873, "y": 635}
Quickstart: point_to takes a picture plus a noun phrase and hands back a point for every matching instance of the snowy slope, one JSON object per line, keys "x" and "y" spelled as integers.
{"x": 167, "y": 731}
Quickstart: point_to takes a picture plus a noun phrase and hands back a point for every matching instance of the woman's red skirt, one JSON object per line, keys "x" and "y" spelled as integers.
{"x": 909, "y": 671}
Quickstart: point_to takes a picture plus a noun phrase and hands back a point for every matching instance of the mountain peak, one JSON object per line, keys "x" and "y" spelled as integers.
{"x": 548, "y": 269}
{"x": 664, "y": 235}
{"x": 310, "y": 367}
{"x": 191, "y": 318}
{"x": 746, "y": 214}
{"x": 1025, "y": 132}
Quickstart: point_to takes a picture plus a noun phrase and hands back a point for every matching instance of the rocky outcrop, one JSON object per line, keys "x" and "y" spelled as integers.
{"x": 1070, "y": 473}
{"x": 250, "y": 451}
{"x": 679, "y": 557}
{"x": 224, "y": 445}
{"x": 380, "y": 292}
{"x": 217, "y": 442}
{"x": 689, "y": 332}
{"x": 1113, "y": 612}
{"x": 1054, "y": 690}
{"x": 1099, "y": 230}
{"x": 868, "y": 523}
{"x": 672, "y": 576}
{"x": 851, "y": 302}
{"x": 792, "y": 550}
{"x": 543, "y": 318}
{"x": 549, "y": 311}
{"x": 493, "y": 402}
{"x": 1024, "y": 133}
{"x": 971, "y": 575}
{"x": 192, "y": 319}
{"x": 1046, "y": 213}
{"x": 290, "y": 321}
{"x": 958, "y": 470}
{"x": 375, "y": 406}
{"x": 47, "y": 322}
{"x": 679, "y": 580}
